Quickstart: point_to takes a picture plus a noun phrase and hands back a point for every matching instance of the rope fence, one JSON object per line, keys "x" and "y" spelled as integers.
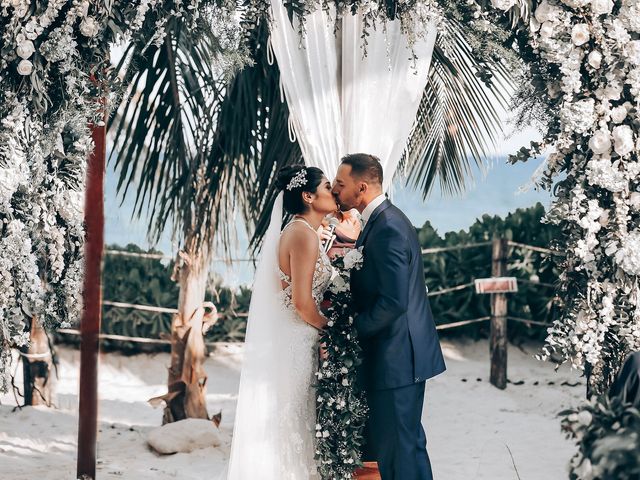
{"x": 231, "y": 314}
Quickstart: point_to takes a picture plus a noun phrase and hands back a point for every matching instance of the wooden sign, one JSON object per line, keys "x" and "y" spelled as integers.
{"x": 496, "y": 285}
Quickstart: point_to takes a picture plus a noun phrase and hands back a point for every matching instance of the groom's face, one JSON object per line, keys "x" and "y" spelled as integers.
{"x": 347, "y": 189}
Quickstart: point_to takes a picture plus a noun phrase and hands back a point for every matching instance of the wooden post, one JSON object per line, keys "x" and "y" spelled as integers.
{"x": 92, "y": 296}
{"x": 498, "y": 343}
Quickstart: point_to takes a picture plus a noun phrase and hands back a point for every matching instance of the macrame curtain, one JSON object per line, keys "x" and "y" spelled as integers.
{"x": 342, "y": 101}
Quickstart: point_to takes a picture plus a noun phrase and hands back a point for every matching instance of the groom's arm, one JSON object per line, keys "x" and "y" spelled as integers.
{"x": 390, "y": 255}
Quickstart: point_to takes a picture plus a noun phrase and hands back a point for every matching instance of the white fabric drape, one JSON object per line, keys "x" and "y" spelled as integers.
{"x": 343, "y": 102}
{"x": 309, "y": 75}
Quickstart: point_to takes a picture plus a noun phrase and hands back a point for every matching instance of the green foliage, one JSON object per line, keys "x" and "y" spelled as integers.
{"x": 607, "y": 433}
{"x": 459, "y": 267}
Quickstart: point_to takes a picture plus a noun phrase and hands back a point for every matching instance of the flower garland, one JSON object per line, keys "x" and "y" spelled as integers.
{"x": 415, "y": 17}
{"x": 585, "y": 63}
{"x": 54, "y": 73}
{"x": 341, "y": 407}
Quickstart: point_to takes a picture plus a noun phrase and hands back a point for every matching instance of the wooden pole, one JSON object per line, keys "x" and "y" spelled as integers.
{"x": 92, "y": 295}
{"x": 498, "y": 343}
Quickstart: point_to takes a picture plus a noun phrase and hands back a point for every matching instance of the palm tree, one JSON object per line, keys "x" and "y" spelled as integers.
{"x": 198, "y": 145}
{"x": 164, "y": 130}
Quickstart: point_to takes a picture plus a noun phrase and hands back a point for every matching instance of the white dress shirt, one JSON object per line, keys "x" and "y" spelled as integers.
{"x": 375, "y": 203}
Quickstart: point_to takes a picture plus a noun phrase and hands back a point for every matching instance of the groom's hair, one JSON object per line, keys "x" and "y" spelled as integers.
{"x": 364, "y": 167}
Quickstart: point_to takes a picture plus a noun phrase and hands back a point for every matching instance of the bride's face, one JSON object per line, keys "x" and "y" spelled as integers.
{"x": 323, "y": 200}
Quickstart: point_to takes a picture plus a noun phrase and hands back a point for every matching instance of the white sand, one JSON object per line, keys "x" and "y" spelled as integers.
{"x": 474, "y": 430}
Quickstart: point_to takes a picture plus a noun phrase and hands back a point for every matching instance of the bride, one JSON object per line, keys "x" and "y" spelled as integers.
{"x": 274, "y": 432}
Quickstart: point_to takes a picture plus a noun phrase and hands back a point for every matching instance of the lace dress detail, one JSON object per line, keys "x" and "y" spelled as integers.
{"x": 298, "y": 419}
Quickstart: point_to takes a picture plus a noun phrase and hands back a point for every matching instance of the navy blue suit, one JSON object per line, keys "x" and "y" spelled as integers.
{"x": 399, "y": 342}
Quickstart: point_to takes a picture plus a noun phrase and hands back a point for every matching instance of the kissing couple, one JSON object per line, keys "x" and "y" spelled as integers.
{"x": 274, "y": 431}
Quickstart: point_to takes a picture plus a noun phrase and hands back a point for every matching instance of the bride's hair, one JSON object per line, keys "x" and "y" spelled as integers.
{"x": 292, "y": 200}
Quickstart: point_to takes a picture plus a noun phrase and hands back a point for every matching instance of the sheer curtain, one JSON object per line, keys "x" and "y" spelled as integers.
{"x": 343, "y": 102}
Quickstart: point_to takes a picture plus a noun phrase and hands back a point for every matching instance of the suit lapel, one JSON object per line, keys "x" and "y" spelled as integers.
{"x": 367, "y": 228}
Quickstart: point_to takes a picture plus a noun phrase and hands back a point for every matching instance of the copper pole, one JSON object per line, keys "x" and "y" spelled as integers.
{"x": 92, "y": 295}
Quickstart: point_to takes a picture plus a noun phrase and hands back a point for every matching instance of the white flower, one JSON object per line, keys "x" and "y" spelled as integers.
{"x": 25, "y": 49}
{"x": 600, "y": 142}
{"x": 601, "y": 7}
{"x": 503, "y": 4}
{"x": 22, "y": 10}
{"x": 546, "y": 30}
{"x": 628, "y": 256}
{"x": 345, "y": 382}
{"x": 595, "y": 59}
{"x": 634, "y": 200}
{"x": 613, "y": 91}
{"x": 607, "y": 175}
{"x": 623, "y": 139}
{"x": 632, "y": 51}
{"x": 547, "y": 12}
{"x": 618, "y": 114}
{"x": 89, "y": 27}
{"x": 579, "y": 116}
{"x": 353, "y": 258}
{"x": 25, "y": 67}
{"x": 580, "y": 34}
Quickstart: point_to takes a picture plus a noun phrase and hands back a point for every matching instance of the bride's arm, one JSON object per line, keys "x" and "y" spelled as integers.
{"x": 303, "y": 256}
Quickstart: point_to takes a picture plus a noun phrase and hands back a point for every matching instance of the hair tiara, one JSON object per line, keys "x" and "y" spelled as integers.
{"x": 298, "y": 180}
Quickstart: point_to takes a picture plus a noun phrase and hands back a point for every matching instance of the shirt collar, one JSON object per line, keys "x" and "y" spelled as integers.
{"x": 375, "y": 203}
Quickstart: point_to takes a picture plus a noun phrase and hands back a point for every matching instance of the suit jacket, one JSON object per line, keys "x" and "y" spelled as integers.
{"x": 393, "y": 317}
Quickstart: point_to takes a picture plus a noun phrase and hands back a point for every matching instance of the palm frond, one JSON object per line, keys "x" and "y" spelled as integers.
{"x": 252, "y": 137}
{"x": 163, "y": 125}
{"x": 458, "y": 119}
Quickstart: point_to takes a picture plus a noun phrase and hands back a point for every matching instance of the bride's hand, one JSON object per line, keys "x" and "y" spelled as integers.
{"x": 324, "y": 232}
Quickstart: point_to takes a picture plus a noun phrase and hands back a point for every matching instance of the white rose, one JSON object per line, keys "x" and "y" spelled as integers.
{"x": 595, "y": 59}
{"x": 546, "y": 30}
{"x": 89, "y": 27}
{"x": 613, "y": 91}
{"x": 503, "y": 4}
{"x": 534, "y": 25}
{"x": 623, "y": 139}
{"x": 25, "y": 49}
{"x": 25, "y": 67}
{"x": 546, "y": 12}
{"x": 632, "y": 51}
{"x": 618, "y": 114}
{"x": 601, "y": 7}
{"x": 580, "y": 34}
{"x": 634, "y": 200}
{"x": 22, "y": 10}
{"x": 600, "y": 142}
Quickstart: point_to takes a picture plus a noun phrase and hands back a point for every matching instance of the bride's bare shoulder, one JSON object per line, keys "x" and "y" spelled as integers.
{"x": 298, "y": 236}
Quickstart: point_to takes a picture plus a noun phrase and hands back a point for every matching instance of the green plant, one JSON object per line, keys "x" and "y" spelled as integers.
{"x": 607, "y": 433}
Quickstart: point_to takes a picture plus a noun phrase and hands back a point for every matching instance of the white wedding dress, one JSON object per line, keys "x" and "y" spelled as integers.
{"x": 274, "y": 431}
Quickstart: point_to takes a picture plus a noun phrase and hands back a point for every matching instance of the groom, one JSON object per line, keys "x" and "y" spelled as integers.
{"x": 394, "y": 323}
